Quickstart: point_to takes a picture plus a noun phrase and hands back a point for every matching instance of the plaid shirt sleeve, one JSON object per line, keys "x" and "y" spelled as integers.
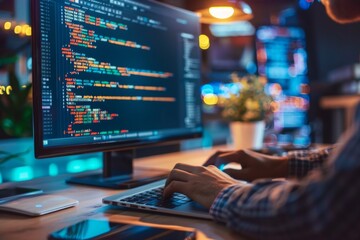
{"x": 302, "y": 162}
{"x": 323, "y": 205}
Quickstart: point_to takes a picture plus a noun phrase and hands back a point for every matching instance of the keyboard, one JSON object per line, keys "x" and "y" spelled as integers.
{"x": 154, "y": 197}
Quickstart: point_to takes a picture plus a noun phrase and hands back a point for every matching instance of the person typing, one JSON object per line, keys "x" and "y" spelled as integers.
{"x": 319, "y": 199}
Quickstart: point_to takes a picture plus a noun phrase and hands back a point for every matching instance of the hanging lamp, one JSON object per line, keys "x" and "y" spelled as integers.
{"x": 224, "y": 11}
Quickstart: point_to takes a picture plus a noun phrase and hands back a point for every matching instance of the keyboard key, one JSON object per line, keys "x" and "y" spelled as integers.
{"x": 154, "y": 197}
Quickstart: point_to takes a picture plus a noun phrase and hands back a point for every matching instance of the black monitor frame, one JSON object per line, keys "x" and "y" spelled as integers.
{"x": 117, "y": 156}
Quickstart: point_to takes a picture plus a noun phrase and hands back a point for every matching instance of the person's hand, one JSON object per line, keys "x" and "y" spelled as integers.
{"x": 253, "y": 165}
{"x": 201, "y": 184}
{"x": 214, "y": 158}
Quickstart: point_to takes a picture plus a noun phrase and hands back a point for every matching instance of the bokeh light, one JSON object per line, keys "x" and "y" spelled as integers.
{"x": 204, "y": 42}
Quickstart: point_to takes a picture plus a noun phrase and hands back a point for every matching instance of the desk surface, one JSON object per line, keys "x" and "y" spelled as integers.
{"x": 13, "y": 226}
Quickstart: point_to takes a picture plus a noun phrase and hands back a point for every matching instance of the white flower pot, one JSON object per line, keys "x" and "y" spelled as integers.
{"x": 247, "y": 134}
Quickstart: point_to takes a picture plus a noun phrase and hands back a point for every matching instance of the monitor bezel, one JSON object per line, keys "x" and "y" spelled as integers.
{"x": 40, "y": 151}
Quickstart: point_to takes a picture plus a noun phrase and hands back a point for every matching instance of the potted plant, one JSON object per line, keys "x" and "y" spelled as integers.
{"x": 247, "y": 109}
{"x": 16, "y": 108}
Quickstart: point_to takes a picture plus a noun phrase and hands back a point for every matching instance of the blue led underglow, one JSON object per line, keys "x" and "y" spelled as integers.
{"x": 22, "y": 174}
{"x": 76, "y": 166}
{"x": 93, "y": 163}
{"x": 53, "y": 169}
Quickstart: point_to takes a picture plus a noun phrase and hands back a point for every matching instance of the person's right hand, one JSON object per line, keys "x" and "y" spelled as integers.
{"x": 253, "y": 165}
{"x": 201, "y": 184}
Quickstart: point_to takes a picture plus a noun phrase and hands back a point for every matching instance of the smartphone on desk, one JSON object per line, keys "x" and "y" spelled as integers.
{"x": 13, "y": 193}
{"x": 93, "y": 229}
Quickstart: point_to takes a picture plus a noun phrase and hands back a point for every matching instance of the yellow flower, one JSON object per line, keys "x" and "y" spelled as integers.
{"x": 252, "y": 105}
{"x": 244, "y": 83}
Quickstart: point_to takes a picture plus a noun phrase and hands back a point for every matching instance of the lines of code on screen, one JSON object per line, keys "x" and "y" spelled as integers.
{"x": 117, "y": 70}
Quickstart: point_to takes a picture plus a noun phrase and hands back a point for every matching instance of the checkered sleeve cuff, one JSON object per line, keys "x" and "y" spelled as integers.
{"x": 218, "y": 210}
{"x": 302, "y": 162}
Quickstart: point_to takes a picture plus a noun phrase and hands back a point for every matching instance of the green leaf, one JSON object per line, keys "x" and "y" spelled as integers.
{"x": 15, "y": 117}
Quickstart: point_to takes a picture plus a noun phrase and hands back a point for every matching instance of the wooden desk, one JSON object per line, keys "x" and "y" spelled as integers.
{"x": 13, "y": 226}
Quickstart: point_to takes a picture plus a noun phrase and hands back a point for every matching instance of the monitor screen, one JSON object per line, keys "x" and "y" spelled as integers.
{"x": 113, "y": 74}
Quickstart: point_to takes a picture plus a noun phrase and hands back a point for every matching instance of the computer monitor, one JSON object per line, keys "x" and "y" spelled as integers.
{"x": 112, "y": 76}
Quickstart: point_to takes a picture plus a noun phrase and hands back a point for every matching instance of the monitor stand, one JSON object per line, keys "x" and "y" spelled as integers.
{"x": 118, "y": 173}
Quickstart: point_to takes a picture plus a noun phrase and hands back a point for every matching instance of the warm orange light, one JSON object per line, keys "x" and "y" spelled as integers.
{"x": 8, "y": 90}
{"x": 275, "y": 106}
{"x": 7, "y": 25}
{"x": 24, "y": 29}
{"x": 17, "y": 29}
{"x": 5, "y": 90}
{"x": 211, "y": 99}
{"x": 305, "y": 89}
{"x": 204, "y": 42}
{"x": 222, "y": 12}
{"x": 28, "y": 31}
{"x": 275, "y": 89}
{"x": 227, "y": 12}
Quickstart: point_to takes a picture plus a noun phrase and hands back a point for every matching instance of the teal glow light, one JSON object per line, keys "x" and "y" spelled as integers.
{"x": 76, "y": 166}
{"x": 222, "y": 167}
{"x": 93, "y": 163}
{"x": 207, "y": 141}
{"x": 1, "y": 179}
{"x": 53, "y": 169}
{"x": 207, "y": 89}
{"x": 22, "y": 174}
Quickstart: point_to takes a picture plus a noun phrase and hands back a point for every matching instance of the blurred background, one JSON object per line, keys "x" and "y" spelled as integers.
{"x": 312, "y": 65}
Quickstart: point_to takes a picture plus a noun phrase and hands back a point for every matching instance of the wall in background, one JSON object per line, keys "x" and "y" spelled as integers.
{"x": 333, "y": 45}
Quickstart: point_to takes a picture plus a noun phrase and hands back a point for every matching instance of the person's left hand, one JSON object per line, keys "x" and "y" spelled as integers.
{"x": 201, "y": 184}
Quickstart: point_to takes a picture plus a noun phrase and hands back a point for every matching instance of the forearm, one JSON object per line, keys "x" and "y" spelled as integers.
{"x": 258, "y": 210}
{"x": 306, "y": 209}
{"x": 279, "y": 210}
